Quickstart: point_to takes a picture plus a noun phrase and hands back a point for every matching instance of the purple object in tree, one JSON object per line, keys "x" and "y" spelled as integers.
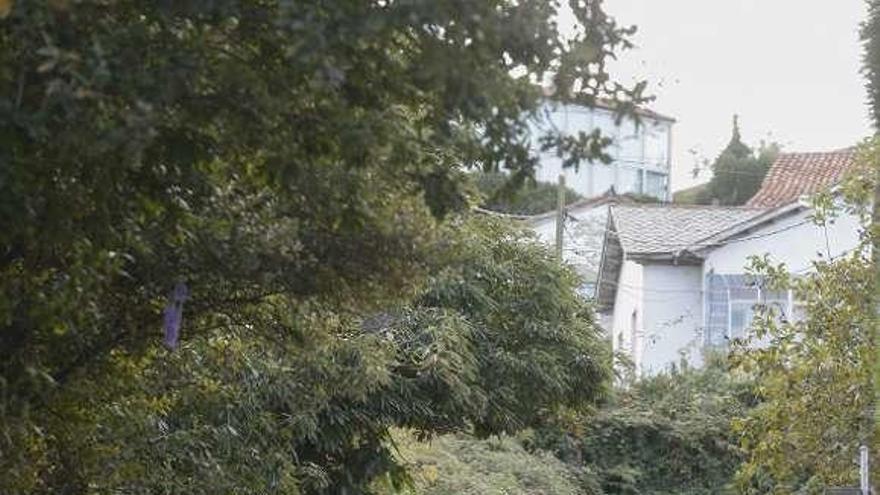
{"x": 173, "y": 314}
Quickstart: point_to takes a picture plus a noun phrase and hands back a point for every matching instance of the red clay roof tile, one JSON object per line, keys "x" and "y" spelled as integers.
{"x": 797, "y": 174}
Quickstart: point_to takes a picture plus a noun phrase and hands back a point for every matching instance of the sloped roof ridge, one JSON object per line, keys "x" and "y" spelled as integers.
{"x": 691, "y": 206}
{"x": 848, "y": 149}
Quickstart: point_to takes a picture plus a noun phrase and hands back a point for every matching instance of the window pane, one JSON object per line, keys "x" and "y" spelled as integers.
{"x": 741, "y": 315}
{"x": 656, "y": 142}
{"x": 744, "y": 294}
{"x": 630, "y": 141}
{"x": 655, "y": 184}
{"x": 732, "y": 302}
{"x": 774, "y": 295}
{"x": 630, "y": 180}
{"x": 717, "y": 318}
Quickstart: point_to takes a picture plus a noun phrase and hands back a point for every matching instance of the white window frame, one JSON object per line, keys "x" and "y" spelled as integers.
{"x": 790, "y": 303}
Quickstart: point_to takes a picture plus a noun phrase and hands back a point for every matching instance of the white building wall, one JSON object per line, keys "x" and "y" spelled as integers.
{"x": 673, "y": 315}
{"x": 668, "y": 300}
{"x": 796, "y": 241}
{"x": 641, "y": 154}
{"x": 628, "y": 314}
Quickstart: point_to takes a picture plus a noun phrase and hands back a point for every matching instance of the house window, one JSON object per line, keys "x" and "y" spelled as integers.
{"x": 630, "y": 180}
{"x": 741, "y": 315}
{"x": 656, "y": 144}
{"x": 742, "y": 296}
{"x": 733, "y": 301}
{"x": 630, "y": 139}
{"x": 655, "y": 184}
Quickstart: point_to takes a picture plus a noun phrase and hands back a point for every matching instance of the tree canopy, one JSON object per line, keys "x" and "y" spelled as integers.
{"x": 462, "y": 465}
{"x": 813, "y": 370}
{"x": 532, "y": 198}
{"x": 297, "y": 170}
{"x": 664, "y": 435}
{"x": 737, "y": 173}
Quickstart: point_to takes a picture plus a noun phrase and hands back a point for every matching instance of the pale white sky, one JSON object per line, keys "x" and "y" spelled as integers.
{"x": 789, "y": 68}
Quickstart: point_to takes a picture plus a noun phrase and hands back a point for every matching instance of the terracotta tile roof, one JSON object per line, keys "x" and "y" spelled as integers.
{"x": 797, "y": 174}
{"x": 668, "y": 228}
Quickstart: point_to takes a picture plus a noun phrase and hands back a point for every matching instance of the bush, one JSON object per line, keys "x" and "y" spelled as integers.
{"x": 669, "y": 434}
{"x": 463, "y": 465}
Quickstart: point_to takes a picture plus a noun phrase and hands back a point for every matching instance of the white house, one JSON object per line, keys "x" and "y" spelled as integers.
{"x": 583, "y": 234}
{"x": 640, "y": 152}
{"x": 672, "y": 278}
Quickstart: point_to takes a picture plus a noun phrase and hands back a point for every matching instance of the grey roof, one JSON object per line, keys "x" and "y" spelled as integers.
{"x": 646, "y": 229}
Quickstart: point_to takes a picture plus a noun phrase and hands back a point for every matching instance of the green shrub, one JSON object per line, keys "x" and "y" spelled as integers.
{"x": 532, "y": 198}
{"x": 463, "y": 465}
{"x": 666, "y": 435}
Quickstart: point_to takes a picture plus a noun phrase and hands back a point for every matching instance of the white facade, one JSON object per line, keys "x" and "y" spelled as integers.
{"x": 658, "y": 315}
{"x": 661, "y": 313}
{"x": 796, "y": 241}
{"x": 641, "y": 154}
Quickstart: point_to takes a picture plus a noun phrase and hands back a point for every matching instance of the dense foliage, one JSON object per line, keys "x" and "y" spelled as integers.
{"x": 297, "y": 168}
{"x": 665, "y": 435}
{"x": 813, "y": 372}
{"x": 297, "y": 397}
{"x": 813, "y": 383}
{"x": 737, "y": 173}
{"x": 462, "y": 465}
{"x": 532, "y": 198}
{"x": 693, "y": 195}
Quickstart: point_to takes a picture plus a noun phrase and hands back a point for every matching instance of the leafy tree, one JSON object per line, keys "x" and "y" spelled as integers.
{"x": 738, "y": 171}
{"x": 669, "y": 434}
{"x": 813, "y": 374}
{"x": 296, "y": 165}
{"x": 533, "y": 198}
{"x": 453, "y": 465}
{"x": 813, "y": 381}
{"x": 870, "y": 35}
{"x": 299, "y": 397}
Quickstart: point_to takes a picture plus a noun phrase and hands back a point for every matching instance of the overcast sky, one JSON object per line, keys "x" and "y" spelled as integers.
{"x": 789, "y": 68}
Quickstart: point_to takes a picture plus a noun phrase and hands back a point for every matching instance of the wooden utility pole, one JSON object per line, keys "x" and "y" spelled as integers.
{"x": 560, "y": 215}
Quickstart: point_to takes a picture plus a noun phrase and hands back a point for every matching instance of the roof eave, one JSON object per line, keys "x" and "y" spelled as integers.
{"x": 675, "y": 258}
{"x": 772, "y": 214}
